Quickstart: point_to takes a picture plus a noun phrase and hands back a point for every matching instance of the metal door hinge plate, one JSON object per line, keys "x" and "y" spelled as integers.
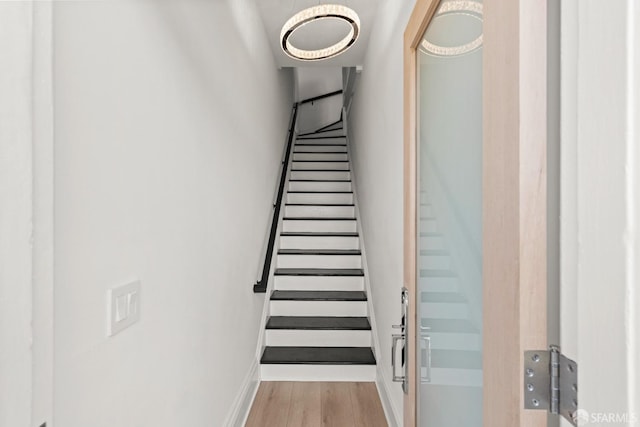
{"x": 551, "y": 382}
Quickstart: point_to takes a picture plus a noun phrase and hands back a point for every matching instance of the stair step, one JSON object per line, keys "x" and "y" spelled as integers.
{"x": 444, "y": 297}
{"x": 319, "y": 224}
{"x": 320, "y": 185}
{"x": 319, "y": 180}
{"x": 320, "y": 197}
{"x": 284, "y": 307}
{"x": 316, "y": 148}
{"x": 320, "y": 234}
{"x": 319, "y": 272}
{"x": 462, "y": 326}
{"x": 310, "y": 138}
{"x": 320, "y": 175}
{"x": 437, "y": 273}
{"x": 320, "y": 145}
{"x": 318, "y": 337}
{"x": 318, "y": 356}
{"x": 318, "y": 296}
{"x": 456, "y": 359}
{"x": 319, "y": 166}
{"x": 319, "y": 240}
{"x": 320, "y": 210}
{"x": 319, "y": 258}
{"x": 319, "y": 283}
{"x": 319, "y": 252}
{"x": 320, "y": 157}
{"x": 318, "y": 323}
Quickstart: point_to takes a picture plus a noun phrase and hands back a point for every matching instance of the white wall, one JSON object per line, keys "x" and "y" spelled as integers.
{"x": 313, "y": 82}
{"x": 169, "y": 127}
{"x": 16, "y": 213}
{"x": 600, "y": 202}
{"x": 375, "y": 127}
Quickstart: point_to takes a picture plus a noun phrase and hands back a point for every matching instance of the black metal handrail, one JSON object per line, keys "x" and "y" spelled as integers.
{"x": 319, "y": 97}
{"x": 261, "y": 285}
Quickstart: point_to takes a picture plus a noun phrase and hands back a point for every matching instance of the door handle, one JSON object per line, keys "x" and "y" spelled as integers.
{"x": 395, "y": 339}
{"x": 426, "y": 355}
{"x": 394, "y": 345}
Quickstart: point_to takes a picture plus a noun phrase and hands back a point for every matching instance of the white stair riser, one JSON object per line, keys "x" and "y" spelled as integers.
{"x": 320, "y": 198}
{"x": 358, "y": 373}
{"x": 432, "y": 242}
{"x": 320, "y": 148}
{"x": 455, "y": 341}
{"x": 455, "y": 377}
{"x": 320, "y": 211}
{"x": 331, "y": 132}
{"x": 319, "y": 283}
{"x": 441, "y": 310}
{"x": 310, "y": 338}
{"x": 429, "y": 225}
{"x": 319, "y": 225}
{"x": 318, "y": 308}
{"x": 321, "y": 141}
{"x": 320, "y": 175}
{"x": 319, "y": 186}
{"x": 319, "y": 242}
{"x": 324, "y": 166}
{"x": 438, "y": 284}
{"x": 426, "y": 210}
{"x": 319, "y": 156}
{"x": 319, "y": 261}
{"x": 435, "y": 262}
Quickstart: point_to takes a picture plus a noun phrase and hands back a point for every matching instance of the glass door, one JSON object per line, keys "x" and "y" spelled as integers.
{"x": 449, "y": 212}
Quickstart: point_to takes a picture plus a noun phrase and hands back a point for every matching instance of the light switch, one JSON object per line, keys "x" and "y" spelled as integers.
{"x": 123, "y": 307}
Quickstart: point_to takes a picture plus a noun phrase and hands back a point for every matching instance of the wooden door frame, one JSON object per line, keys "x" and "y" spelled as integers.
{"x": 514, "y": 200}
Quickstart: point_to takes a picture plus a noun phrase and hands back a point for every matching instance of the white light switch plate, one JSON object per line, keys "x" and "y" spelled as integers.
{"x": 123, "y": 307}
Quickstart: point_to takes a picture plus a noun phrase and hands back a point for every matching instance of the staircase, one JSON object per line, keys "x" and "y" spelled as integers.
{"x": 456, "y": 358}
{"x": 318, "y": 327}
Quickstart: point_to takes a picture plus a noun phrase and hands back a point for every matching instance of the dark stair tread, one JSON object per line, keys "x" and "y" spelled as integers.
{"x": 320, "y": 192}
{"x": 319, "y": 323}
{"x": 320, "y": 233}
{"x": 322, "y": 145}
{"x": 320, "y": 161}
{"x": 318, "y": 356}
{"x": 319, "y": 180}
{"x": 319, "y": 272}
{"x": 319, "y": 252}
{"x": 319, "y": 204}
{"x": 320, "y": 170}
{"x": 319, "y": 152}
{"x": 322, "y": 137}
{"x": 318, "y": 218}
{"x": 318, "y": 296}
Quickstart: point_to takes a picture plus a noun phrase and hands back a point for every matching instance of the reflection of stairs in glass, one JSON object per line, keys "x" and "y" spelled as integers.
{"x": 456, "y": 344}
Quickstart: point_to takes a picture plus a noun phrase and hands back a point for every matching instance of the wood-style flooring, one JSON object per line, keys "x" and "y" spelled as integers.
{"x": 316, "y": 404}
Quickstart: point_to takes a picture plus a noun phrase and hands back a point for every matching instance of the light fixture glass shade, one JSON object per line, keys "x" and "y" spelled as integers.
{"x": 323, "y": 11}
{"x": 459, "y": 7}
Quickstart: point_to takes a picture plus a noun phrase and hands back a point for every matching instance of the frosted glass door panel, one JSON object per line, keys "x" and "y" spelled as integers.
{"x": 450, "y": 217}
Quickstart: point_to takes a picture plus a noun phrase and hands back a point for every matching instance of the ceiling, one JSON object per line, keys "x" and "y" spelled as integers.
{"x": 318, "y": 34}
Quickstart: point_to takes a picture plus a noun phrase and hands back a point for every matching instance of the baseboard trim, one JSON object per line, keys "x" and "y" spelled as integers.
{"x": 239, "y": 412}
{"x": 390, "y": 410}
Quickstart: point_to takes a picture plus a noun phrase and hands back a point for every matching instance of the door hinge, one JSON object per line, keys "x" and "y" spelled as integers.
{"x": 551, "y": 383}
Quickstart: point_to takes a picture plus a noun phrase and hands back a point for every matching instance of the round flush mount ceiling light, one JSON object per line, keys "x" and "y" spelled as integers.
{"x": 323, "y": 11}
{"x": 469, "y": 8}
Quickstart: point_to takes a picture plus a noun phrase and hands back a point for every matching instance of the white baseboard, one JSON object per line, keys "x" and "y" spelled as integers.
{"x": 393, "y": 414}
{"x": 239, "y": 412}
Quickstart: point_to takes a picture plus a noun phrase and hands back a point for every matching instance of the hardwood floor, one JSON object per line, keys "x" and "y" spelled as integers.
{"x": 316, "y": 404}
